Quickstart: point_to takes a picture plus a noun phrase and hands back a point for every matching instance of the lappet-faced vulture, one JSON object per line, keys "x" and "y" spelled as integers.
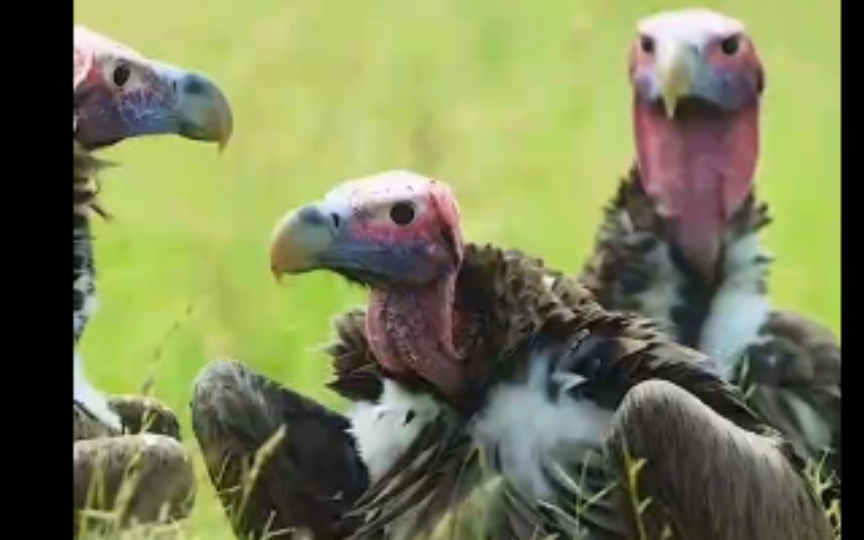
{"x": 119, "y": 94}
{"x": 471, "y": 360}
{"x": 680, "y": 241}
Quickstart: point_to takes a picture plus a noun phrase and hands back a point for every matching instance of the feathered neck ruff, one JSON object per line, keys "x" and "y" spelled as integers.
{"x": 513, "y": 302}
{"x": 85, "y": 168}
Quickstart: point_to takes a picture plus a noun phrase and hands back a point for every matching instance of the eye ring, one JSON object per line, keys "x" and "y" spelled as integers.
{"x": 731, "y": 45}
{"x": 646, "y": 43}
{"x": 121, "y": 75}
{"x": 402, "y": 213}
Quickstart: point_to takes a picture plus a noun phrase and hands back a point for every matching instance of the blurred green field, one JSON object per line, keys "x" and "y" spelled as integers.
{"x": 524, "y": 109}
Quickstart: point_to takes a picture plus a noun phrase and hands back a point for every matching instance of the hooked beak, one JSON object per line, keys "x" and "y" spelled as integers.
{"x": 169, "y": 100}
{"x": 299, "y": 240}
{"x": 201, "y": 110}
{"x": 320, "y": 236}
{"x": 676, "y": 72}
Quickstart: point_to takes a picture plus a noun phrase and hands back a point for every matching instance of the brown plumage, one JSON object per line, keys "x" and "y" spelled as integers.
{"x": 512, "y": 291}
{"x": 85, "y": 183}
{"x": 142, "y": 475}
{"x": 543, "y": 373}
{"x": 709, "y": 287}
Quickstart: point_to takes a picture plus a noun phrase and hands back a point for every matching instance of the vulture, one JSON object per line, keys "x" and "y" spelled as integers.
{"x": 680, "y": 241}
{"x": 119, "y": 94}
{"x": 471, "y": 367}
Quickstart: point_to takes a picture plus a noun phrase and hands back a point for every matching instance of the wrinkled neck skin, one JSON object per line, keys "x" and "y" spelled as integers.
{"x": 698, "y": 169}
{"x": 420, "y": 330}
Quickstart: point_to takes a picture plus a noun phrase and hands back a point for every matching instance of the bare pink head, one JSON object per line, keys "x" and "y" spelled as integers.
{"x": 697, "y": 86}
{"x": 120, "y": 94}
{"x": 399, "y": 234}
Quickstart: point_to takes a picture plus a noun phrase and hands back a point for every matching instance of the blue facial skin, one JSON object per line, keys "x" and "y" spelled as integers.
{"x": 724, "y": 87}
{"x": 172, "y": 101}
{"x": 376, "y": 263}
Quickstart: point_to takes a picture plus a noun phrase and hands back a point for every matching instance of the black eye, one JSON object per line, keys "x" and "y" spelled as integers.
{"x": 121, "y": 75}
{"x": 647, "y": 44}
{"x": 402, "y": 213}
{"x": 730, "y": 45}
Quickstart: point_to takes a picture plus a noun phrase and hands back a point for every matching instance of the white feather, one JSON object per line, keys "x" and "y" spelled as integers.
{"x": 740, "y": 307}
{"x": 384, "y": 430}
{"x": 93, "y": 400}
{"x": 529, "y": 429}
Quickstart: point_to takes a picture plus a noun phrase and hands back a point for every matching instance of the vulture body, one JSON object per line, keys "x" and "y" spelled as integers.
{"x": 473, "y": 364}
{"x": 119, "y": 94}
{"x": 680, "y": 241}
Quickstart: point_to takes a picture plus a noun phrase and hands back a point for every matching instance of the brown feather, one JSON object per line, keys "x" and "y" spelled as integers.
{"x": 793, "y": 358}
{"x": 85, "y": 184}
{"x": 520, "y": 306}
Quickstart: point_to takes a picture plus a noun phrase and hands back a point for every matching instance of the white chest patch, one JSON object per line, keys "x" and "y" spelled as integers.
{"x": 528, "y": 428}
{"x": 739, "y": 308}
{"x": 384, "y": 430}
{"x": 91, "y": 398}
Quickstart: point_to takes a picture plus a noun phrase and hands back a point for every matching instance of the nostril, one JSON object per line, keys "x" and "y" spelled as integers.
{"x": 335, "y": 219}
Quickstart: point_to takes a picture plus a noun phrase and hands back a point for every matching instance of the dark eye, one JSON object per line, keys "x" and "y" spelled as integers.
{"x": 730, "y": 45}
{"x": 402, "y": 213}
{"x": 121, "y": 75}
{"x": 646, "y": 44}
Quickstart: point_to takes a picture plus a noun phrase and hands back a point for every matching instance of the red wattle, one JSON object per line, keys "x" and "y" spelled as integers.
{"x": 698, "y": 167}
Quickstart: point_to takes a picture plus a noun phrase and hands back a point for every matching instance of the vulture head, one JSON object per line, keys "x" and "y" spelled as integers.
{"x": 399, "y": 234}
{"x": 697, "y": 84}
{"x": 119, "y": 94}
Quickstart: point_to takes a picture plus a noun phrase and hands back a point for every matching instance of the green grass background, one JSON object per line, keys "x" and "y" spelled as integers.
{"x": 522, "y": 106}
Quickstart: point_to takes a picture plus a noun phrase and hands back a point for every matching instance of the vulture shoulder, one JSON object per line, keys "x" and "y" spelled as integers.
{"x": 792, "y": 375}
{"x": 523, "y": 311}
{"x": 624, "y": 262}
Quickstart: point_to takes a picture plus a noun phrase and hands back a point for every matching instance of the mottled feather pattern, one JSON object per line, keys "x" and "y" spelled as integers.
{"x": 618, "y": 269}
{"x": 358, "y": 378}
{"x": 85, "y": 185}
{"x": 85, "y": 203}
{"x": 796, "y": 362}
{"x": 83, "y": 267}
{"x": 632, "y": 268}
{"x": 524, "y": 310}
{"x": 792, "y": 363}
{"x": 83, "y": 279}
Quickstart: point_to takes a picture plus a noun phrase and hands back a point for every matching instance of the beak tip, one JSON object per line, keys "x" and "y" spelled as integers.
{"x": 669, "y": 104}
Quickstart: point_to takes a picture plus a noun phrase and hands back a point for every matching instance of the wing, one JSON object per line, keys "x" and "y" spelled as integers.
{"x": 602, "y": 366}
{"x": 792, "y": 376}
{"x": 278, "y": 460}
